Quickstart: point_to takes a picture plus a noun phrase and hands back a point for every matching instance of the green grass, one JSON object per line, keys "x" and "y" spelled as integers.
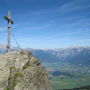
{"x": 80, "y": 79}
{"x": 12, "y": 82}
{"x": 68, "y": 83}
{"x": 26, "y": 65}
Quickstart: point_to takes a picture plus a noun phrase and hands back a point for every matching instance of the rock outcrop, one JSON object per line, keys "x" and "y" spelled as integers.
{"x": 22, "y": 71}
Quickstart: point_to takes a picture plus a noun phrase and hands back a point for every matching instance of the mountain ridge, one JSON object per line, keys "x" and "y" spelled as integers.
{"x": 75, "y": 55}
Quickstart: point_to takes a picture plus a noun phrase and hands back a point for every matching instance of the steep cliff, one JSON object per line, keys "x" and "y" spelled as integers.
{"x": 22, "y": 71}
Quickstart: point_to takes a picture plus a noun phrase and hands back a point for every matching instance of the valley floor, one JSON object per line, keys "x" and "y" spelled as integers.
{"x": 65, "y": 76}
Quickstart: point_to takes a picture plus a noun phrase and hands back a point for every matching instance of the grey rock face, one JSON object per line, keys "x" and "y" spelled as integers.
{"x": 22, "y": 71}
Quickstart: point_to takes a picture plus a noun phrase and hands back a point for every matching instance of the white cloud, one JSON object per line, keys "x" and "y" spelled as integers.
{"x": 75, "y": 5}
{"x": 84, "y": 40}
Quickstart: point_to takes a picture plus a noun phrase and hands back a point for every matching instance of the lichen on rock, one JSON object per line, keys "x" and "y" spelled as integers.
{"x": 22, "y": 71}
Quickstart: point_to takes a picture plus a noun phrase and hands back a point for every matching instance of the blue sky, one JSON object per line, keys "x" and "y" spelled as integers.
{"x": 47, "y": 23}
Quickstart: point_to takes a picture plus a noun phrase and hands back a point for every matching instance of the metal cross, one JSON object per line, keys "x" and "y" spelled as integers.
{"x": 8, "y": 19}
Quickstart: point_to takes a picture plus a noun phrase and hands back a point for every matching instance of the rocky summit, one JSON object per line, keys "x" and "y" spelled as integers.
{"x": 22, "y": 71}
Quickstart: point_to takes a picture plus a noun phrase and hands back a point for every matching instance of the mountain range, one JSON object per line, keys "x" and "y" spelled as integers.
{"x": 73, "y": 55}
